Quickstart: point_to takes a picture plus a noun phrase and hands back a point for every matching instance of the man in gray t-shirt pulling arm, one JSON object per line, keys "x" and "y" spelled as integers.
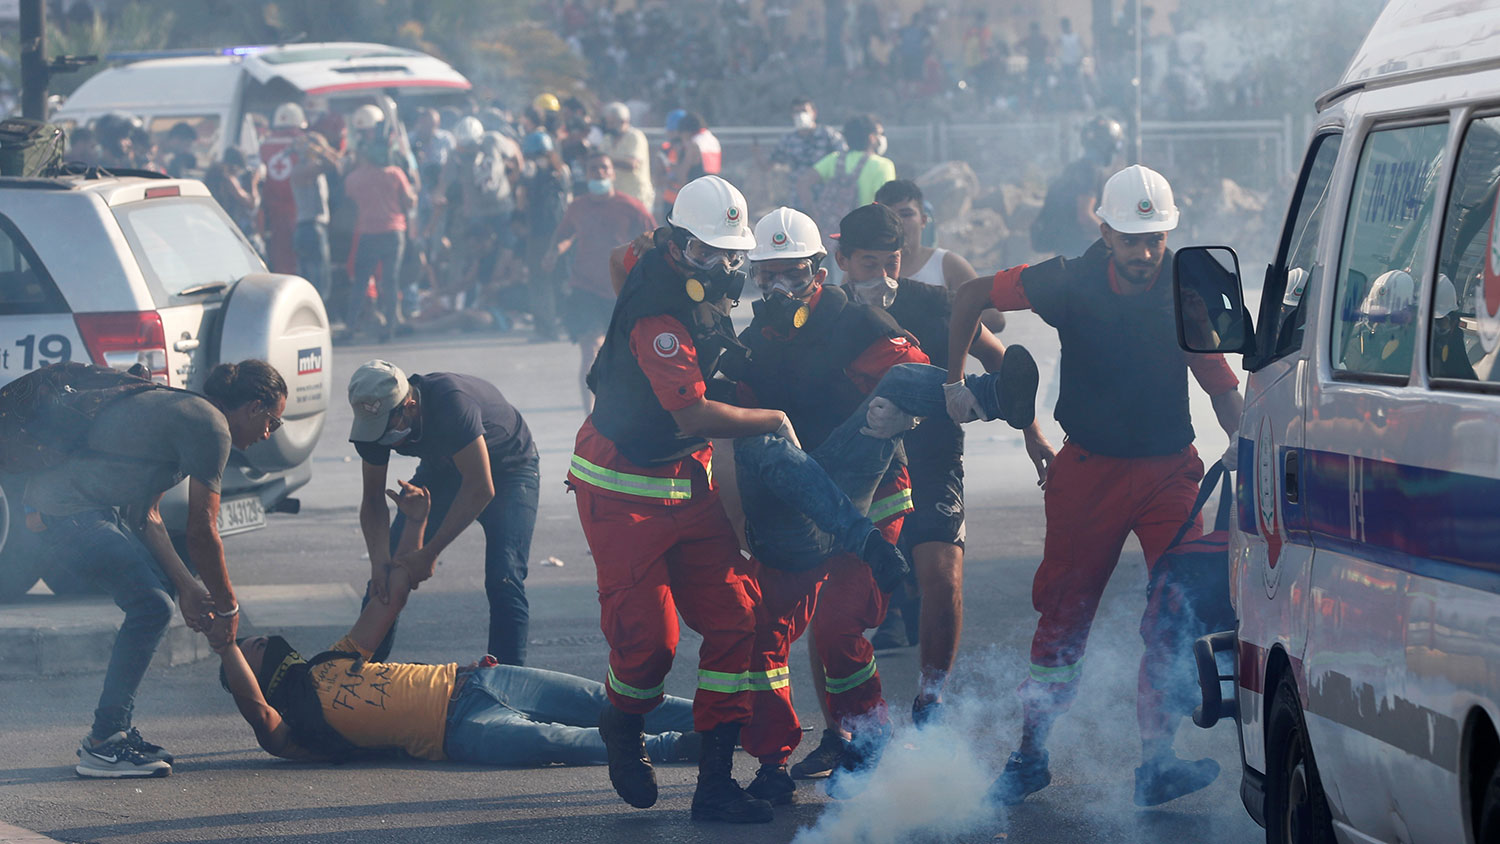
{"x": 101, "y": 518}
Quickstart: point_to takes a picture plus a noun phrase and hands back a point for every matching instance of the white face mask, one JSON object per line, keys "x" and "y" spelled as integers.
{"x": 880, "y": 292}
{"x": 880, "y": 145}
{"x": 803, "y": 120}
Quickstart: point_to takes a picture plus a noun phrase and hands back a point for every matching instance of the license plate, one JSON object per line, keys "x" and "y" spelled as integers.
{"x": 238, "y": 515}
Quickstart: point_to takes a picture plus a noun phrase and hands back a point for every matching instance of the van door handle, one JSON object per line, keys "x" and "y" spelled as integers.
{"x": 186, "y": 344}
{"x": 1291, "y": 481}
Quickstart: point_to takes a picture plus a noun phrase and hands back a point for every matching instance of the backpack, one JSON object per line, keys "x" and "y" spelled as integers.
{"x": 839, "y": 194}
{"x": 46, "y": 414}
{"x": 1188, "y": 598}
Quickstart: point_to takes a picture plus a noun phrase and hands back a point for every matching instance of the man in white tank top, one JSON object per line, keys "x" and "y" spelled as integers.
{"x": 927, "y": 264}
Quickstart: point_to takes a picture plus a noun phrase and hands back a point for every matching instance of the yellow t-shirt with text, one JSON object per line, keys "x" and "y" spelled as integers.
{"x": 386, "y": 704}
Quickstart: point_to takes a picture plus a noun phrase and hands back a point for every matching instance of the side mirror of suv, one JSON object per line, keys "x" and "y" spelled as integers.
{"x": 1211, "y": 314}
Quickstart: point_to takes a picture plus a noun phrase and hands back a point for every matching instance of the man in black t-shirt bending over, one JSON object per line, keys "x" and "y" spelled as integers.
{"x": 479, "y": 464}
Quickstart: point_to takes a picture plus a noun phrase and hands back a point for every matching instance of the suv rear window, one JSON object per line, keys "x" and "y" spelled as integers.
{"x": 25, "y": 287}
{"x": 184, "y": 243}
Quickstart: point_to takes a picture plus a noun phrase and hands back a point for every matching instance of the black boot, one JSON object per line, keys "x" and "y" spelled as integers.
{"x": 719, "y": 797}
{"x": 773, "y": 785}
{"x": 630, "y": 769}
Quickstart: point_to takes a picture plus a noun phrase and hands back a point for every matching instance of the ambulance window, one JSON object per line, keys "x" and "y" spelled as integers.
{"x": 1385, "y": 241}
{"x": 1465, "y": 329}
{"x": 25, "y": 287}
{"x": 1297, "y": 260}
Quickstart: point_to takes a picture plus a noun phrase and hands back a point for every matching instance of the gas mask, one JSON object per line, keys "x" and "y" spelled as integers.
{"x": 782, "y": 311}
{"x": 880, "y": 292}
{"x": 803, "y": 120}
{"x": 714, "y": 282}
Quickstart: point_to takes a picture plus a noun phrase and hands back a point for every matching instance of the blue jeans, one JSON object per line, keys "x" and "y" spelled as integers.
{"x": 508, "y": 522}
{"x": 509, "y": 715}
{"x": 801, "y": 507}
{"x": 310, "y": 239}
{"x": 97, "y": 546}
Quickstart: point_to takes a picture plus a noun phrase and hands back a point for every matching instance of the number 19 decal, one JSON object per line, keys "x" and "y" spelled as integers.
{"x": 51, "y": 348}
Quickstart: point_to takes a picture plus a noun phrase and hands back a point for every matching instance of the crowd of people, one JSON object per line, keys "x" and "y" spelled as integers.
{"x": 943, "y": 63}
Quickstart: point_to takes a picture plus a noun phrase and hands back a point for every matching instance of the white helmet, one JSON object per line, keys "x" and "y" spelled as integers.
{"x": 1138, "y": 200}
{"x": 1445, "y": 299}
{"x": 468, "y": 132}
{"x": 786, "y": 233}
{"x": 714, "y": 211}
{"x": 1392, "y": 297}
{"x": 289, "y": 116}
{"x": 367, "y": 117}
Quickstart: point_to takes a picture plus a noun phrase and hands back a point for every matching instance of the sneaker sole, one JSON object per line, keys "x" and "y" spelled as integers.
{"x": 786, "y": 799}
{"x": 122, "y": 773}
{"x": 713, "y": 816}
{"x": 1018, "y": 383}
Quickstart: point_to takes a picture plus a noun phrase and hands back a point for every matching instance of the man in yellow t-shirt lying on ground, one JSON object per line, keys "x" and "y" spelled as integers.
{"x": 338, "y": 705}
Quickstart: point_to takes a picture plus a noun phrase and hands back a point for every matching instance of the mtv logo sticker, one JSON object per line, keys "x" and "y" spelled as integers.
{"x": 310, "y": 361}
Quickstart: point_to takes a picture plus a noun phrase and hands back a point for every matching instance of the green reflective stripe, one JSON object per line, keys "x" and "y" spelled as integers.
{"x": 1056, "y": 673}
{"x": 719, "y": 681}
{"x": 891, "y": 505}
{"x": 676, "y": 489}
{"x": 776, "y": 678}
{"x": 839, "y": 685}
{"x": 631, "y": 691}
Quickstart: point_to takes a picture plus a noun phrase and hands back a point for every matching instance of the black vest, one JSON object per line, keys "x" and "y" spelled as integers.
{"x": 626, "y": 411}
{"x": 1124, "y": 379}
{"x": 924, "y": 310}
{"x": 804, "y": 375}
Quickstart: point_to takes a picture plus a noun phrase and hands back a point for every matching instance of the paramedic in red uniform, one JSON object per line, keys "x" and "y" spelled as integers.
{"x": 1128, "y": 464}
{"x": 660, "y": 538}
{"x": 817, "y": 354}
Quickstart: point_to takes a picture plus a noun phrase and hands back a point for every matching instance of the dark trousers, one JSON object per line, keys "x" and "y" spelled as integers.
{"x": 507, "y": 522}
{"x": 382, "y": 250}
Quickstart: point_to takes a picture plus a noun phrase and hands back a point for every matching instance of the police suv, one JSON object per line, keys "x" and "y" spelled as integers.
{"x": 1365, "y": 560}
{"x": 126, "y": 270}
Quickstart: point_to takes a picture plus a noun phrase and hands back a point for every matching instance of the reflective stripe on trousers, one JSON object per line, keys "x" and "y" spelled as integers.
{"x": 645, "y": 486}
{"x": 892, "y": 505}
{"x": 839, "y": 685}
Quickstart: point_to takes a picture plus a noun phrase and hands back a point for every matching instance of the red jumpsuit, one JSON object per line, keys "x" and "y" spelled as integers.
{"x": 1093, "y": 501}
{"x": 278, "y": 206}
{"x": 662, "y": 544}
{"x": 839, "y": 598}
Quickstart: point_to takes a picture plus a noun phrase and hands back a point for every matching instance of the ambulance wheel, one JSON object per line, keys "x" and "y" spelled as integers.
{"x": 1296, "y": 807}
{"x": 20, "y": 564}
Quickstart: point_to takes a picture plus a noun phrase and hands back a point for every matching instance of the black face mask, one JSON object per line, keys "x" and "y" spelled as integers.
{"x": 717, "y": 282}
{"x": 781, "y": 311}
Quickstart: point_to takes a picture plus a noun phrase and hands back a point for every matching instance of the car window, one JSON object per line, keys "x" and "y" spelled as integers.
{"x": 1385, "y": 242}
{"x": 1465, "y": 327}
{"x": 184, "y": 243}
{"x": 25, "y": 287}
{"x": 1296, "y": 261}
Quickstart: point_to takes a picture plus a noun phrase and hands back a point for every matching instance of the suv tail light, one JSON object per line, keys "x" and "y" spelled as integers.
{"x": 123, "y": 339}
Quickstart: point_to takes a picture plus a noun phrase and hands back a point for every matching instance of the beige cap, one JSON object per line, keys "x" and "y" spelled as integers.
{"x": 375, "y": 389}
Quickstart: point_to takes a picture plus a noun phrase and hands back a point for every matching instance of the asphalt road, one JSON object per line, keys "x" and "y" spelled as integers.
{"x": 225, "y": 789}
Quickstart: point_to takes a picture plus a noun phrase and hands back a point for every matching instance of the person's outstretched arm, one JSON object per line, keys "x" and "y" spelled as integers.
{"x": 272, "y": 733}
{"x": 376, "y": 619}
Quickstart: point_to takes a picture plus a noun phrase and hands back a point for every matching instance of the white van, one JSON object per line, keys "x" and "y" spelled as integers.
{"x": 216, "y": 91}
{"x": 1365, "y": 560}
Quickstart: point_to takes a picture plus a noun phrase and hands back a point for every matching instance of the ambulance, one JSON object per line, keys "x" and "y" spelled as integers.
{"x": 1365, "y": 557}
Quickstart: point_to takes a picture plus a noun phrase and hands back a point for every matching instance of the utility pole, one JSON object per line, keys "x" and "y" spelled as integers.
{"x": 34, "y": 70}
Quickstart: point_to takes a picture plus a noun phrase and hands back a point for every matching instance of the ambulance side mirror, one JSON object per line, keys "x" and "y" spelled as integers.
{"x": 1211, "y": 313}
